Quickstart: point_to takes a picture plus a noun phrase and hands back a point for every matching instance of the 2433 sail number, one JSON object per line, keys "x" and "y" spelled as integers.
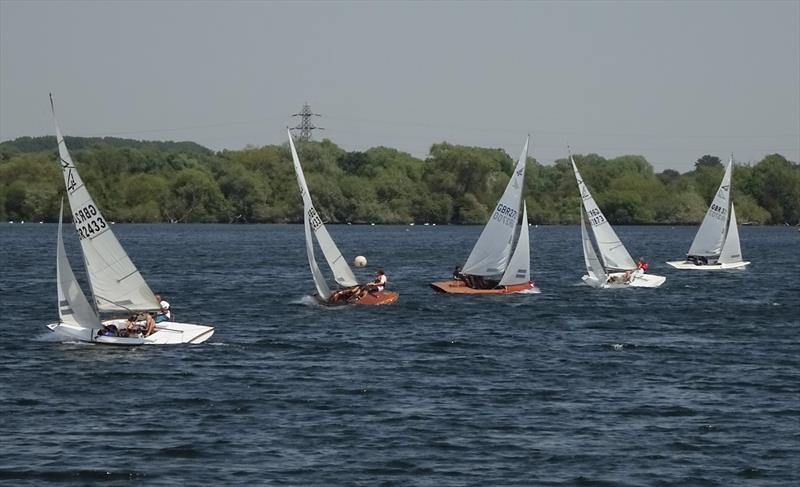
{"x": 88, "y": 222}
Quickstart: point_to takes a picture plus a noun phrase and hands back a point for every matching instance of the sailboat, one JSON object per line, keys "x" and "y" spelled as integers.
{"x": 495, "y": 265}
{"x": 716, "y": 245}
{"x": 615, "y": 267}
{"x": 348, "y": 290}
{"x": 117, "y": 286}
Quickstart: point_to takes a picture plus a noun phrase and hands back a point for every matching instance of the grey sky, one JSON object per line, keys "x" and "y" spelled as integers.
{"x": 671, "y": 81}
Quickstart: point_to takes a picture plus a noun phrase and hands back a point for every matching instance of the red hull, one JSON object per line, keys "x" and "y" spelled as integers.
{"x": 460, "y": 287}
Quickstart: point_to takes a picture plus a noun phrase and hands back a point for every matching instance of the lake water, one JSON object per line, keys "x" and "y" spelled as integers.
{"x": 694, "y": 383}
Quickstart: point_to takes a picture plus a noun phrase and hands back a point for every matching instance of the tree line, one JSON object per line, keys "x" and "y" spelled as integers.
{"x": 144, "y": 181}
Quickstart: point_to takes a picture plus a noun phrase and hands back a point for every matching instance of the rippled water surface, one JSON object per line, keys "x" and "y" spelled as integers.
{"x": 695, "y": 383}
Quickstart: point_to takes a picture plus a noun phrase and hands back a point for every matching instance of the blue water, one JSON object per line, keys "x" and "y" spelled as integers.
{"x": 695, "y": 383}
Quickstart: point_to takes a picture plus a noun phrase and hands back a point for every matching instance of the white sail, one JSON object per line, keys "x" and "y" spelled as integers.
{"x": 710, "y": 237}
{"x": 319, "y": 280}
{"x": 116, "y": 283}
{"x": 593, "y": 266}
{"x": 341, "y": 270}
{"x": 73, "y": 307}
{"x": 731, "y": 250}
{"x": 518, "y": 270}
{"x": 615, "y": 256}
{"x": 490, "y": 255}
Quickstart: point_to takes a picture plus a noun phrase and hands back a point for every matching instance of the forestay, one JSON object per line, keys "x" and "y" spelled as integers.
{"x": 710, "y": 236}
{"x": 731, "y": 250}
{"x": 518, "y": 270}
{"x": 593, "y": 266}
{"x": 615, "y": 256}
{"x": 490, "y": 255}
{"x": 73, "y": 307}
{"x": 116, "y": 283}
{"x": 337, "y": 263}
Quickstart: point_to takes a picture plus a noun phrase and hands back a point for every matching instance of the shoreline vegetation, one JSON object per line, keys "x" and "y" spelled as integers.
{"x": 183, "y": 182}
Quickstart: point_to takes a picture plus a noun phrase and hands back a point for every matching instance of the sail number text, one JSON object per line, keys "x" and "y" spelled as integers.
{"x": 505, "y": 215}
{"x": 595, "y": 217}
{"x": 88, "y": 222}
{"x": 718, "y": 212}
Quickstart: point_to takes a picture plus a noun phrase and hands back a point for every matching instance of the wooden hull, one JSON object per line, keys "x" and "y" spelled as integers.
{"x": 460, "y": 287}
{"x": 374, "y": 299}
{"x": 380, "y": 297}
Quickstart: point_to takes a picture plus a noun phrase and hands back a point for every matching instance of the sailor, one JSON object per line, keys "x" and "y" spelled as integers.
{"x": 641, "y": 264}
{"x": 379, "y": 283}
{"x": 457, "y": 275}
{"x": 164, "y": 314}
{"x": 376, "y": 285}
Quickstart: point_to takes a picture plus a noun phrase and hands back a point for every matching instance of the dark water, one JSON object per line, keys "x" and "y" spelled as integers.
{"x": 695, "y": 383}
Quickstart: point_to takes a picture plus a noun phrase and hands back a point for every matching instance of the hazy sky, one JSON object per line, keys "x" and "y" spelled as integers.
{"x": 669, "y": 80}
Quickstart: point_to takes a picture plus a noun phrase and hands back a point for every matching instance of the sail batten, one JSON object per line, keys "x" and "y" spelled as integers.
{"x": 710, "y": 236}
{"x": 111, "y": 273}
{"x": 492, "y": 251}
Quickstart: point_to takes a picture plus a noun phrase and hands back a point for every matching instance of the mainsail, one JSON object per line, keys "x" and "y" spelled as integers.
{"x": 711, "y": 235}
{"x": 731, "y": 250}
{"x": 490, "y": 255}
{"x": 615, "y": 256}
{"x": 73, "y": 307}
{"x": 116, "y": 283}
{"x": 518, "y": 270}
{"x": 341, "y": 270}
{"x": 593, "y": 266}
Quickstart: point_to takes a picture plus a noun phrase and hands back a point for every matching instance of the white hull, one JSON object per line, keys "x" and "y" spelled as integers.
{"x": 678, "y": 264}
{"x": 640, "y": 279}
{"x": 167, "y": 333}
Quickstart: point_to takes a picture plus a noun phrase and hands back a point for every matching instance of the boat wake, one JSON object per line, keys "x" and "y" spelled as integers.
{"x": 533, "y": 290}
{"x": 312, "y": 301}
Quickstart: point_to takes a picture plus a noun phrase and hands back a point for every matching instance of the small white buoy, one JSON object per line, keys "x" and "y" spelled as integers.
{"x": 360, "y": 261}
{"x": 372, "y": 224}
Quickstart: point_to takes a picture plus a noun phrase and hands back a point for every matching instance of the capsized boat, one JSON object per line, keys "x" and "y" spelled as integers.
{"x": 617, "y": 268}
{"x": 349, "y": 291}
{"x": 716, "y": 245}
{"x": 117, "y": 286}
{"x": 496, "y": 265}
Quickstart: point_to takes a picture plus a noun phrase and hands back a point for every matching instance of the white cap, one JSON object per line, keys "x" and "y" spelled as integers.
{"x": 164, "y": 304}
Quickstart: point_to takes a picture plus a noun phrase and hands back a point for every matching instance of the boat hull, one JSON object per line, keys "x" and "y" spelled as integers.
{"x": 639, "y": 279}
{"x": 375, "y": 298}
{"x": 460, "y": 287}
{"x": 378, "y": 298}
{"x": 686, "y": 265}
{"x": 167, "y": 333}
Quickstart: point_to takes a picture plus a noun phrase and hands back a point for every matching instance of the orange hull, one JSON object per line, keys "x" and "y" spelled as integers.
{"x": 376, "y": 298}
{"x": 380, "y": 297}
{"x": 460, "y": 287}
